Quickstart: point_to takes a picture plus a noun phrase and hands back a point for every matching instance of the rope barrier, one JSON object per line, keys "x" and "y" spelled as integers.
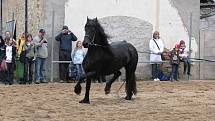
{"x": 198, "y": 59}
{"x": 201, "y": 59}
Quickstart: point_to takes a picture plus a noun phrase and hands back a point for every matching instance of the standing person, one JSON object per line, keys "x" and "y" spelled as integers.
{"x": 78, "y": 57}
{"x": 41, "y": 54}
{"x": 65, "y": 38}
{"x": 2, "y": 60}
{"x": 156, "y": 47}
{"x": 29, "y": 59}
{"x": 174, "y": 61}
{"x": 10, "y": 55}
{"x": 8, "y": 35}
{"x": 20, "y": 63}
{"x": 184, "y": 56}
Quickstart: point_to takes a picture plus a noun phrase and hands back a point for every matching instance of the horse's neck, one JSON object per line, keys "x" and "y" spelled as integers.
{"x": 102, "y": 41}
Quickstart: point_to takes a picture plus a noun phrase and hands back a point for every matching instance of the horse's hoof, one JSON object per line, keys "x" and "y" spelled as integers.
{"x": 86, "y": 101}
{"x": 128, "y": 97}
{"x": 77, "y": 89}
{"x": 107, "y": 90}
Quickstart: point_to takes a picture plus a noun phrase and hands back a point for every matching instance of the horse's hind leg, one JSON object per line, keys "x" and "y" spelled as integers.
{"x": 109, "y": 83}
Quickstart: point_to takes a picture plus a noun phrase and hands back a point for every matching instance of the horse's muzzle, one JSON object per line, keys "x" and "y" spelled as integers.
{"x": 85, "y": 44}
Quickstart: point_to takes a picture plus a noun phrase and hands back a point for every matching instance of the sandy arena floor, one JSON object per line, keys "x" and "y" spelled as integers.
{"x": 155, "y": 101}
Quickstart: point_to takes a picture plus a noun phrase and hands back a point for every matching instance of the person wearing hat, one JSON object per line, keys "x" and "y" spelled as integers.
{"x": 174, "y": 61}
{"x": 184, "y": 57}
{"x": 41, "y": 45}
{"x": 65, "y": 38}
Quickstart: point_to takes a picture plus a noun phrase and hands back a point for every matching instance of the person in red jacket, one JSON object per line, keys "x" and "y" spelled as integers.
{"x": 174, "y": 61}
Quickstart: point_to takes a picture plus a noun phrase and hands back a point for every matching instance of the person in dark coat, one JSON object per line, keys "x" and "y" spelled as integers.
{"x": 2, "y": 60}
{"x": 10, "y": 55}
{"x": 65, "y": 38}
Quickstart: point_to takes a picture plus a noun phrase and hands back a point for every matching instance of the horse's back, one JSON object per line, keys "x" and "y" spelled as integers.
{"x": 124, "y": 47}
{"x": 125, "y": 50}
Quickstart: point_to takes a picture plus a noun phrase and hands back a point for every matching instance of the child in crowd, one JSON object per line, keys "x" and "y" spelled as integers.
{"x": 78, "y": 57}
{"x": 10, "y": 55}
{"x": 183, "y": 53}
{"x": 174, "y": 61}
{"x": 29, "y": 59}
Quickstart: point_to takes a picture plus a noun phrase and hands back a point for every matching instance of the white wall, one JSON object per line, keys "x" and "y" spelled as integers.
{"x": 170, "y": 25}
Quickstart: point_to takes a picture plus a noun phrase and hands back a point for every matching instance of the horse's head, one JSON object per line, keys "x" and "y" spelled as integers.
{"x": 94, "y": 34}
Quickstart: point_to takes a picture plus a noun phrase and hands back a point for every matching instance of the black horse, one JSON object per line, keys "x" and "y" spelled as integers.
{"x": 103, "y": 59}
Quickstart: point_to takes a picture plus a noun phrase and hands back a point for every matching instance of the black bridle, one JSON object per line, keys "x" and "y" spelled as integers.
{"x": 92, "y": 41}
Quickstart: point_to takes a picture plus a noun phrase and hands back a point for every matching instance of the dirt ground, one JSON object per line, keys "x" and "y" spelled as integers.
{"x": 155, "y": 101}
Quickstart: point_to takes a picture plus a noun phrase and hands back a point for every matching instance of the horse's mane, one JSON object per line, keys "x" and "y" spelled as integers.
{"x": 101, "y": 30}
{"x": 103, "y": 35}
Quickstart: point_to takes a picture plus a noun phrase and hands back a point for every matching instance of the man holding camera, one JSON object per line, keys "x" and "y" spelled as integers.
{"x": 41, "y": 54}
{"x": 65, "y": 38}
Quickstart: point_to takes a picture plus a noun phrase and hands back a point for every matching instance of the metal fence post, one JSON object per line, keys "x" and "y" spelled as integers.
{"x": 53, "y": 16}
{"x": 1, "y": 17}
{"x": 190, "y": 39}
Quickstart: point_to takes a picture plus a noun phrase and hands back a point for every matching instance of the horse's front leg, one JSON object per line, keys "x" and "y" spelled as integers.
{"x": 87, "y": 93}
{"x": 77, "y": 89}
{"x": 109, "y": 83}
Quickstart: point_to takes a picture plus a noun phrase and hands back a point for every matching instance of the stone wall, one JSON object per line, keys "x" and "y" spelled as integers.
{"x": 207, "y": 32}
{"x": 17, "y": 7}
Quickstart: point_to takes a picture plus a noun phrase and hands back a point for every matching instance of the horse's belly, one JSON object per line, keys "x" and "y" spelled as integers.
{"x": 111, "y": 69}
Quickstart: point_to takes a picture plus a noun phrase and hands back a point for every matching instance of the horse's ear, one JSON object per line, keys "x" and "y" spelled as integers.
{"x": 95, "y": 19}
{"x": 87, "y": 18}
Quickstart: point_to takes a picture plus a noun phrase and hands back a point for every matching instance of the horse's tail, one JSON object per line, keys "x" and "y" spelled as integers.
{"x": 130, "y": 72}
{"x": 130, "y": 83}
{"x": 135, "y": 87}
{"x": 133, "y": 84}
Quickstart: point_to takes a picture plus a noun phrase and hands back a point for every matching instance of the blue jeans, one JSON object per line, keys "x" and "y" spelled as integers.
{"x": 174, "y": 74}
{"x": 187, "y": 66}
{"x": 79, "y": 70}
{"x": 39, "y": 63}
{"x": 155, "y": 70}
